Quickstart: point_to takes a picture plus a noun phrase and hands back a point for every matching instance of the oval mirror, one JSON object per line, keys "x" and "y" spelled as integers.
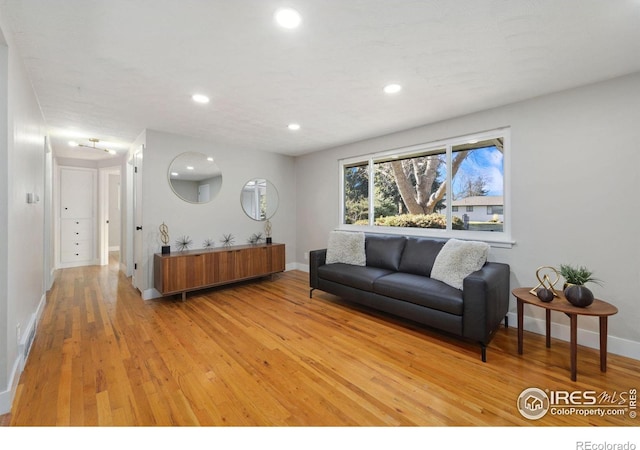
{"x": 195, "y": 177}
{"x": 259, "y": 199}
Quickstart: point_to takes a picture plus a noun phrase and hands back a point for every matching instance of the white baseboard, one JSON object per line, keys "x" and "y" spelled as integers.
{"x": 149, "y": 294}
{"x": 124, "y": 269}
{"x": 93, "y": 262}
{"x": 26, "y": 340}
{"x": 588, "y": 338}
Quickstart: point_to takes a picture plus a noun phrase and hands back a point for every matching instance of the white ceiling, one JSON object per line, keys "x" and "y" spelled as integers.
{"x": 109, "y": 69}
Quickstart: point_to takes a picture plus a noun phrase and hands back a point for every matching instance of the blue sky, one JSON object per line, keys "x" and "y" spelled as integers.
{"x": 488, "y": 163}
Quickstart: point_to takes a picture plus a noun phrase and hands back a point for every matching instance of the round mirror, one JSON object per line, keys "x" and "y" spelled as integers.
{"x": 195, "y": 177}
{"x": 259, "y": 199}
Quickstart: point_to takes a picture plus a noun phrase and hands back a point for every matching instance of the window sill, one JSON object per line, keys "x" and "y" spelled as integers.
{"x": 502, "y": 241}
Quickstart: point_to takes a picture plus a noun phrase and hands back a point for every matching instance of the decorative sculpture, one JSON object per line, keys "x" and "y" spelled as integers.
{"x": 545, "y": 281}
{"x": 267, "y": 230}
{"x": 164, "y": 237}
{"x": 227, "y": 240}
{"x": 183, "y": 243}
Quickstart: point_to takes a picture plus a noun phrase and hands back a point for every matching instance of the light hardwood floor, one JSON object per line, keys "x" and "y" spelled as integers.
{"x": 265, "y": 354}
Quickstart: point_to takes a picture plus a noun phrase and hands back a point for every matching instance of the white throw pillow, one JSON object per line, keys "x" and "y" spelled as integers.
{"x": 346, "y": 247}
{"x": 458, "y": 259}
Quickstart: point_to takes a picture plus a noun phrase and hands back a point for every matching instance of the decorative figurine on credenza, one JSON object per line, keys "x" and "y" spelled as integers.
{"x": 164, "y": 237}
{"x": 184, "y": 243}
{"x": 227, "y": 240}
{"x": 267, "y": 231}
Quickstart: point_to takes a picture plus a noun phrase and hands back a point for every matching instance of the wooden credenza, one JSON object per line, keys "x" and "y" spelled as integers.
{"x": 180, "y": 272}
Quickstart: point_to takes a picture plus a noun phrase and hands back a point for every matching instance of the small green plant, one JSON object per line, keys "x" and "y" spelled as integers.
{"x": 577, "y": 275}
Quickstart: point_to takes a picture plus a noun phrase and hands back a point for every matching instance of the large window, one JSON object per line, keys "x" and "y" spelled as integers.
{"x": 457, "y": 185}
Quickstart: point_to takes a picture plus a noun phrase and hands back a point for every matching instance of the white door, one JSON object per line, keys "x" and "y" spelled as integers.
{"x": 109, "y": 201}
{"x": 204, "y": 193}
{"x": 77, "y": 193}
{"x": 77, "y": 216}
{"x": 138, "y": 236}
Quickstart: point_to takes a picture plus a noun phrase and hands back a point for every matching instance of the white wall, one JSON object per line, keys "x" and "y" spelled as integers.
{"x": 575, "y": 157}
{"x": 5, "y": 393}
{"x": 22, "y": 171}
{"x": 223, "y": 214}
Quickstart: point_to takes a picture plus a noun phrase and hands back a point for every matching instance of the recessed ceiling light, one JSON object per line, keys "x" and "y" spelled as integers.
{"x": 293, "y": 126}
{"x": 73, "y": 143}
{"x": 210, "y": 159}
{"x": 288, "y": 18}
{"x": 392, "y": 88}
{"x": 199, "y": 98}
{"x": 174, "y": 174}
{"x": 190, "y": 167}
{"x": 112, "y": 152}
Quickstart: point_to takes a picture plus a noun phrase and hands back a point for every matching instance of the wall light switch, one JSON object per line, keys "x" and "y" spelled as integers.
{"x": 32, "y": 198}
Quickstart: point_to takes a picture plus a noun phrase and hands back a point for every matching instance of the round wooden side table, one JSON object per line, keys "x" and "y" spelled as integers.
{"x": 598, "y": 308}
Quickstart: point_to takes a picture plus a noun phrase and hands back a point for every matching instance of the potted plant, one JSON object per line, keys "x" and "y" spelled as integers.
{"x": 575, "y": 290}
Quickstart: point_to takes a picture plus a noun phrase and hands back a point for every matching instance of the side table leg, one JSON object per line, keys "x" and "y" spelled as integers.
{"x": 603, "y": 343}
{"x": 574, "y": 345}
{"x": 520, "y": 325}
{"x": 548, "y": 326}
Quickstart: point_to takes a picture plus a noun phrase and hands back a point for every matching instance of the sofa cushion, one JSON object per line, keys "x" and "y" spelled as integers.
{"x": 384, "y": 251}
{"x": 420, "y": 291}
{"x": 459, "y": 259}
{"x": 346, "y": 247}
{"x": 359, "y": 277}
{"x": 419, "y": 255}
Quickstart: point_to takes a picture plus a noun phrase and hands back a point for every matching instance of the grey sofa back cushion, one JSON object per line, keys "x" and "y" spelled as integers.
{"x": 384, "y": 251}
{"x": 419, "y": 255}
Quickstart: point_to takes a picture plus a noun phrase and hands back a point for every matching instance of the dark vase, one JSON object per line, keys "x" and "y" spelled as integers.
{"x": 545, "y": 295}
{"x": 578, "y": 295}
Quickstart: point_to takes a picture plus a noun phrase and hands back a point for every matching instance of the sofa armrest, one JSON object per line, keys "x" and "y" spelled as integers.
{"x": 486, "y": 301}
{"x": 317, "y": 258}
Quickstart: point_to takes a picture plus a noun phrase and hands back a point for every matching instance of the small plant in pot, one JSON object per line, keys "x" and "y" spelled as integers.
{"x": 575, "y": 290}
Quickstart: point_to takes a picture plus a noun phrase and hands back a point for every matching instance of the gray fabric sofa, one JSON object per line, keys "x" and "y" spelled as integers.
{"x": 396, "y": 280}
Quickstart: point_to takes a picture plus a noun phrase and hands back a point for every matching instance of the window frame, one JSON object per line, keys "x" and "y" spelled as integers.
{"x": 496, "y": 238}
